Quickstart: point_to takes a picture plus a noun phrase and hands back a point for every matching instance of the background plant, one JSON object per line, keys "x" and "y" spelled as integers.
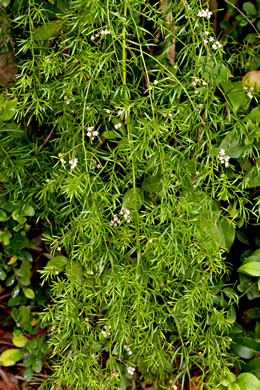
{"x": 146, "y": 148}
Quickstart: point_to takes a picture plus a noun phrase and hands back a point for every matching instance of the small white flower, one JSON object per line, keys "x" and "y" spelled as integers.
{"x": 170, "y": 115}
{"x": 223, "y": 158}
{"x": 118, "y": 125}
{"x": 211, "y": 39}
{"x": 206, "y": 32}
{"x": 249, "y": 94}
{"x": 130, "y": 370}
{"x": 156, "y": 82}
{"x": 92, "y": 38}
{"x": 205, "y": 13}
{"x": 196, "y": 91}
{"x": 205, "y": 41}
{"x": 92, "y": 134}
{"x": 119, "y": 112}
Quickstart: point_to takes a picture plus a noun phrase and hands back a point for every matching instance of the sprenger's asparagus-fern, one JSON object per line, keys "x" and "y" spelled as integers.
{"x": 132, "y": 101}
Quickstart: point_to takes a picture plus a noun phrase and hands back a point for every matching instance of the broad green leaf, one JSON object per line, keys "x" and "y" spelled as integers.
{"x": 233, "y": 386}
{"x": 111, "y": 134}
{"x": 258, "y": 283}
{"x": 74, "y": 272}
{"x": 63, "y": 5}
{"x": 254, "y": 115}
{"x": 20, "y": 341}
{"x": 253, "y": 366}
{"x": 15, "y": 291}
{"x": 248, "y": 381}
{"x": 232, "y": 146}
{"x": 250, "y": 268}
{"x": 213, "y": 69}
{"x": 3, "y": 216}
{"x": 235, "y": 94}
{"x": 242, "y": 237}
{"x": 29, "y": 293}
{"x": 152, "y": 184}
{"x": 2, "y": 274}
{"x": 253, "y": 313}
{"x": 47, "y": 31}
{"x": 231, "y": 315}
{"x": 10, "y": 357}
{"x": 27, "y": 211}
{"x": 247, "y": 281}
{"x": 227, "y": 233}
{"x": 254, "y": 257}
{"x": 37, "y": 365}
{"x": 58, "y": 262}
{"x": 8, "y": 111}
{"x": 252, "y": 177}
{"x": 28, "y": 374}
{"x": 249, "y": 9}
{"x": 10, "y": 281}
{"x": 5, "y": 237}
{"x": 133, "y": 200}
{"x": 243, "y": 351}
{"x": 17, "y": 216}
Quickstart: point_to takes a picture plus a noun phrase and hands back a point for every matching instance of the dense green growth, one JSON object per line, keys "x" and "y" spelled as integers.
{"x": 130, "y": 131}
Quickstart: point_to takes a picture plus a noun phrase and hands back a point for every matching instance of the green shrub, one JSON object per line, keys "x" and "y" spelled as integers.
{"x": 142, "y": 151}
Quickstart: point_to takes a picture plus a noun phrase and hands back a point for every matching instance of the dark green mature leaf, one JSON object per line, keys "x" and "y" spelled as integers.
{"x": 243, "y": 351}
{"x": 232, "y": 145}
{"x": 253, "y": 177}
{"x": 226, "y": 232}
{"x": 253, "y": 366}
{"x": 254, "y": 257}
{"x": 235, "y": 94}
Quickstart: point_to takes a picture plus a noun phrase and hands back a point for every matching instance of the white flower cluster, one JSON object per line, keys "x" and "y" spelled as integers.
{"x": 95, "y": 165}
{"x": 115, "y": 221}
{"x": 100, "y": 34}
{"x": 197, "y": 83}
{"x": 249, "y": 94}
{"x": 92, "y": 133}
{"x": 73, "y": 163}
{"x": 205, "y": 13}
{"x": 130, "y": 370}
{"x": 224, "y": 159}
{"x": 167, "y": 115}
{"x": 126, "y": 214}
{"x": 216, "y": 45}
{"x": 105, "y": 332}
{"x": 128, "y": 349}
{"x": 118, "y": 125}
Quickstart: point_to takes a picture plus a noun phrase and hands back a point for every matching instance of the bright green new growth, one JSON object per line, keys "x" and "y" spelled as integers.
{"x": 133, "y": 135}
